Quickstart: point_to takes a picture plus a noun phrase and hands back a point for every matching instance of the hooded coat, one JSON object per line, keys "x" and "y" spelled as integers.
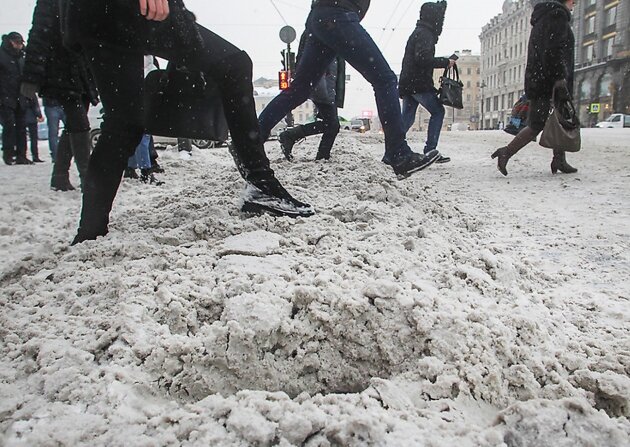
{"x": 419, "y": 60}
{"x": 59, "y": 73}
{"x": 118, "y": 24}
{"x": 11, "y": 67}
{"x": 550, "y": 53}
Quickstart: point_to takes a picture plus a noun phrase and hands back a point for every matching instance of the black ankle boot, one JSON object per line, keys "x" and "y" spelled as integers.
{"x": 288, "y": 138}
{"x": 130, "y": 173}
{"x": 559, "y": 163}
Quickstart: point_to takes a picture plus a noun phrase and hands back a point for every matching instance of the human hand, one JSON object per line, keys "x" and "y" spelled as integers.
{"x": 29, "y": 89}
{"x": 451, "y": 63}
{"x": 156, "y": 10}
{"x": 40, "y": 119}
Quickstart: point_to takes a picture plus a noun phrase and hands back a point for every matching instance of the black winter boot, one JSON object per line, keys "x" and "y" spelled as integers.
{"x": 559, "y": 163}
{"x": 107, "y": 163}
{"x": 130, "y": 173}
{"x": 288, "y": 138}
{"x": 60, "y": 180}
{"x": 146, "y": 176}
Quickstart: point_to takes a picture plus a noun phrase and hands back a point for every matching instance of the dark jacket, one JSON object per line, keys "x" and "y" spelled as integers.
{"x": 33, "y": 111}
{"x": 331, "y": 88}
{"x": 11, "y": 66}
{"x": 550, "y": 54}
{"x": 419, "y": 60}
{"x": 358, "y": 6}
{"x": 59, "y": 73}
{"x": 118, "y": 24}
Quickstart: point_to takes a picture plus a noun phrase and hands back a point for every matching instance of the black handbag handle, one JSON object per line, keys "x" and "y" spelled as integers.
{"x": 447, "y": 72}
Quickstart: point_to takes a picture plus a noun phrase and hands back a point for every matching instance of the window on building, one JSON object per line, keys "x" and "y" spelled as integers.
{"x": 496, "y": 103}
{"x": 611, "y": 16}
{"x": 609, "y": 47}
{"x": 589, "y": 25}
{"x": 585, "y": 90}
{"x": 469, "y": 70}
{"x": 468, "y": 98}
{"x": 488, "y": 104}
{"x": 605, "y": 85}
{"x": 510, "y": 98}
{"x": 478, "y": 70}
{"x": 588, "y": 52}
{"x": 467, "y": 84}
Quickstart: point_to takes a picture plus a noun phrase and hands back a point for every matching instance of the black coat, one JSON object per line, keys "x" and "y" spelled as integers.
{"x": 118, "y": 24}
{"x": 59, "y": 73}
{"x": 420, "y": 61}
{"x": 550, "y": 54}
{"x": 11, "y": 66}
{"x": 359, "y": 6}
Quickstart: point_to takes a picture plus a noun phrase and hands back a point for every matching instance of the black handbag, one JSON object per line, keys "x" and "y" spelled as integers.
{"x": 451, "y": 88}
{"x": 183, "y": 104}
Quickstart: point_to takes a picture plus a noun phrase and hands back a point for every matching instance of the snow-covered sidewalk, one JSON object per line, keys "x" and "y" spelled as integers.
{"x": 456, "y": 307}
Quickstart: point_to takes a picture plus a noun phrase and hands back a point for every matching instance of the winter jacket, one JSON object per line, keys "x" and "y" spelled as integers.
{"x": 118, "y": 24}
{"x": 358, "y": 6}
{"x": 59, "y": 73}
{"x": 331, "y": 88}
{"x": 550, "y": 54}
{"x": 419, "y": 60}
{"x": 11, "y": 67}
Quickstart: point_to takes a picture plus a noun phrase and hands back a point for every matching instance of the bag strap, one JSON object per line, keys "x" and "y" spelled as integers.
{"x": 447, "y": 73}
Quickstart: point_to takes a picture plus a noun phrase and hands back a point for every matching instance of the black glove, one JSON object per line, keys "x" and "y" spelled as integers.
{"x": 561, "y": 90}
{"x": 29, "y": 89}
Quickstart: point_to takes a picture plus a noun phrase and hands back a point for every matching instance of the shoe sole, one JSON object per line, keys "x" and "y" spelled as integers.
{"x": 257, "y": 208}
{"x": 419, "y": 168}
{"x": 441, "y": 161}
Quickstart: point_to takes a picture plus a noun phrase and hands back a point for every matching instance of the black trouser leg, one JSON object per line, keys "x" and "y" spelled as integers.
{"x": 231, "y": 69}
{"x": 32, "y": 136}
{"x": 20, "y": 134}
{"x": 331, "y": 127}
{"x": 7, "y": 118}
{"x": 119, "y": 77}
{"x": 77, "y": 125}
{"x": 60, "y": 177}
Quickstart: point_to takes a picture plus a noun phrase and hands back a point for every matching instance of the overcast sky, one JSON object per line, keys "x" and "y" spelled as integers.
{"x": 253, "y": 26}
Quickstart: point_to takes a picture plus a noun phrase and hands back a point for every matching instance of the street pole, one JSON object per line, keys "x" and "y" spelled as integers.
{"x": 483, "y": 100}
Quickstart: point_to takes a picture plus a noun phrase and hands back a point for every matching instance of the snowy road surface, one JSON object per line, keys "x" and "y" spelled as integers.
{"x": 454, "y": 308}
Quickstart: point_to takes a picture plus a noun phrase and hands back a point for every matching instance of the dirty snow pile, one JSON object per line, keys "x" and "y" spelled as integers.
{"x": 456, "y": 307}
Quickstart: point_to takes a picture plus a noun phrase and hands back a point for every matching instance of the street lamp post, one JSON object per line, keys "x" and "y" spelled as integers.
{"x": 483, "y": 99}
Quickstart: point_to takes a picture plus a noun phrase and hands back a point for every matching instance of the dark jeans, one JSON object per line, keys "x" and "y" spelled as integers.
{"x": 337, "y": 32}
{"x": 120, "y": 78}
{"x": 13, "y": 131}
{"x": 431, "y": 102}
{"x": 54, "y": 115}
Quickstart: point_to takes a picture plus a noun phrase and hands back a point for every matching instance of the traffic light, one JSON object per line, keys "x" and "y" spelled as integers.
{"x": 291, "y": 60}
{"x": 284, "y": 79}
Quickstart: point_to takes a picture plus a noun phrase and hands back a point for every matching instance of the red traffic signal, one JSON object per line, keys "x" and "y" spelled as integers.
{"x": 284, "y": 79}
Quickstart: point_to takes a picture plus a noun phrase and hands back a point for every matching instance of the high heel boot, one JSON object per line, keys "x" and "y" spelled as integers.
{"x": 559, "y": 163}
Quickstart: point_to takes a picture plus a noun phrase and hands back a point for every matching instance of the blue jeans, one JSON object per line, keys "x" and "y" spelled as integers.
{"x": 337, "y": 32}
{"x": 431, "y": 102}
{"x": 53, "y": 116}
{"x": 142, "y": 157}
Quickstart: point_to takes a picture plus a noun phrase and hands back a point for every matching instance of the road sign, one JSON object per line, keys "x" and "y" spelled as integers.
{"x": 287, "y": 34}
{"x": 595, "y": 107}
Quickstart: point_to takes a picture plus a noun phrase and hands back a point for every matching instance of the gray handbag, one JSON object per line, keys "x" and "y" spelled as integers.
{"x": 562, "y": 129}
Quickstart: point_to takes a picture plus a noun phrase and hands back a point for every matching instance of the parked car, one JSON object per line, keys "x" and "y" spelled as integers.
{"x": 95, "y": 116}
{"x": 616, "y": 120}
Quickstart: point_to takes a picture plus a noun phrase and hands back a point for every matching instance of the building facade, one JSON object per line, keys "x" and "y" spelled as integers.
{"x": 503, "y": 59}
{"x": 469, "y": 68}
{"x": 267, "y": 89}
{"x": 602, "y": 76}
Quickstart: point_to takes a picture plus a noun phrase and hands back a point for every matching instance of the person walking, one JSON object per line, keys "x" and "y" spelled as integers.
{"x": 12, "y": 103}
{"x": 58, "y": 74}
{"x": 550, "y": 67}
{"x": 32, "y": 118}
{"x": 334, "y": 29}
{"x": 115, "y": 34}
{"x": 416, "y": 78}
{"x": 54, "y": 116}
{"x": 327, "y": 95}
